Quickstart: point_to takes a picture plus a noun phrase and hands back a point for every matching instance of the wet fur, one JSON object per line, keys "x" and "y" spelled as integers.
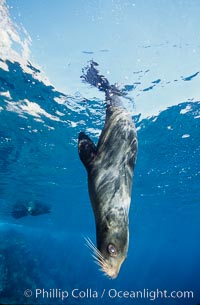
{"x": 110, "y": 173}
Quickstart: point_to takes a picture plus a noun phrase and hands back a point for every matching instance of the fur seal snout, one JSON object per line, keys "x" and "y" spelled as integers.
{"x": 110, "y": 167}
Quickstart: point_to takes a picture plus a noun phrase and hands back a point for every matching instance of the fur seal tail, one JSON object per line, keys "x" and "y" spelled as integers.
{"x": 91, "y": 75}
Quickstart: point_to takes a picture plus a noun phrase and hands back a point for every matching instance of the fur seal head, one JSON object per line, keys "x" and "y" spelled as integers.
{"x": 111, "y": 255}
{"x": 112, "y": 242}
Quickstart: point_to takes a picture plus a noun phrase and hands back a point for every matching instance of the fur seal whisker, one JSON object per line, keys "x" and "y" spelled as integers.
{"x": 98, "y": 258}
{"x": 91, "y": 246}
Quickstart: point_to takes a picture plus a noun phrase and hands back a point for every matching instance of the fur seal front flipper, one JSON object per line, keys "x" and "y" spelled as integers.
{"x": 110, "y": 167}
{"x": 87, "y": 150}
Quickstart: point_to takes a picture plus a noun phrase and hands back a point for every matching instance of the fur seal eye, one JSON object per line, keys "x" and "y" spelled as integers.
{"x": 112, "y": 250}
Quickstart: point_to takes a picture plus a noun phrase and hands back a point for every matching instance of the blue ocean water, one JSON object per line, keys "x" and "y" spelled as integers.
{"x": 39, "y": 161}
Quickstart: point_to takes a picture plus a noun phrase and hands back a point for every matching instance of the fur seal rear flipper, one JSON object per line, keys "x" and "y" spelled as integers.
{"x": 110, "y": 167}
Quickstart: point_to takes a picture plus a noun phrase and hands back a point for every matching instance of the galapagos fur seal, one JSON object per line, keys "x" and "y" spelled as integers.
{"x": 33, "y": 208}
{"x": 110, "y": 166}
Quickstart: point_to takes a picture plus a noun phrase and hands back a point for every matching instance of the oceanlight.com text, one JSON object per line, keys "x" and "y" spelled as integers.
{"x": 89, "y": 293}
